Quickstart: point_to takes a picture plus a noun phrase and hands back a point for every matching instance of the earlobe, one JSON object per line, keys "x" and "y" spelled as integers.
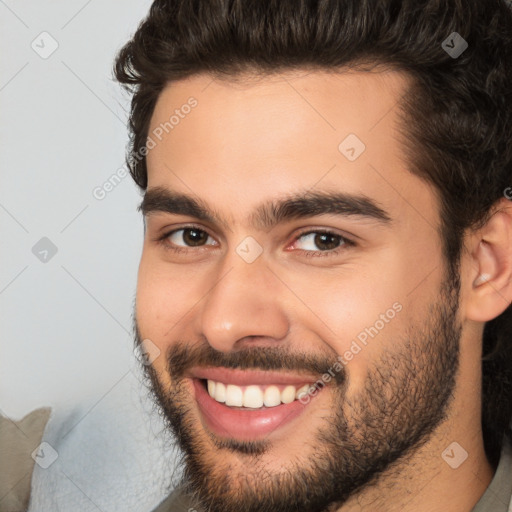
{"x": 491, "y": 266}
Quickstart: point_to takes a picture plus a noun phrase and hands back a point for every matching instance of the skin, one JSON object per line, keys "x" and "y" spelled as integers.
{"x": 249, "y": 141}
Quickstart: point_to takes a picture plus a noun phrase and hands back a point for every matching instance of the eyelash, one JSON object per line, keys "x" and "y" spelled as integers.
{"x": 345, "y": 242}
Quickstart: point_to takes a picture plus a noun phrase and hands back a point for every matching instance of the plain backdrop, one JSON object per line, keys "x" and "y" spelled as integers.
{"x": 68, "y": 261}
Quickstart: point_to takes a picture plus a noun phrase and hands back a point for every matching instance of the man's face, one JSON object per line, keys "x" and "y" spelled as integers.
{"x": 314, "y": 258}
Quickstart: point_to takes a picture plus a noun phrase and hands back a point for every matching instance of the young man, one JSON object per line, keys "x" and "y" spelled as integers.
{"x": 326, "y": 276}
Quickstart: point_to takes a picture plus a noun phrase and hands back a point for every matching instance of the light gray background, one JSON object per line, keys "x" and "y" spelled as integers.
{"x": 65, "y": 323}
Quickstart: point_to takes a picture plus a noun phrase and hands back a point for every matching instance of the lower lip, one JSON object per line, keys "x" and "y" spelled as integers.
{"x": 244, "y": 424}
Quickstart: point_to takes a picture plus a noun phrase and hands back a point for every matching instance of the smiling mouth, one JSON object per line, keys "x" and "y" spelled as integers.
{"x": 254, "y": 396}
{"x": 250, "y": 405}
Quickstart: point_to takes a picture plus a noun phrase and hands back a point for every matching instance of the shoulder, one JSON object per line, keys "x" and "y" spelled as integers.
{"x": 19, "y": 443}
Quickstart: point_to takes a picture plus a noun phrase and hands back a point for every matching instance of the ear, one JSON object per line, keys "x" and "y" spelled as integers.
{"x": 489, "y": 290}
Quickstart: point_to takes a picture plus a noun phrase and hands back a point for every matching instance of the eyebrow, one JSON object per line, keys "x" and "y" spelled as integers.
{"x": 270, "y": 213}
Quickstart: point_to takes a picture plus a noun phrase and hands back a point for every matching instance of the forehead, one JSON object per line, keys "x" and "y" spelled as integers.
{"x": 270, "y": 135}
{"x": 316, "y": 102}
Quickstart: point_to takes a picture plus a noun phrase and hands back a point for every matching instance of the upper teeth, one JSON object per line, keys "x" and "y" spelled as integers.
{"x": 254, "y": 396}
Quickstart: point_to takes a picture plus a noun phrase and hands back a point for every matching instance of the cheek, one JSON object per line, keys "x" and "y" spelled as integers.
{"x": 166, "y": 295}
{"x": 347, "y": 300}
{"x": 159, "y": 305}
{"x": 359, "y": 318}
{"x": 363, "y": 311}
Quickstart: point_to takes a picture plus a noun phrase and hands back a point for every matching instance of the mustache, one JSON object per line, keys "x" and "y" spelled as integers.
{"x": 183, "y": 356}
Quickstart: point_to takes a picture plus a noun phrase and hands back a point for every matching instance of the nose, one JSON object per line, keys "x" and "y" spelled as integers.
{"x": 243, "y": 307}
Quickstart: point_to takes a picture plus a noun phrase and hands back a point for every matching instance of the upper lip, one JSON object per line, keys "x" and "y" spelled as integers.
{"x": 250, "y": 377}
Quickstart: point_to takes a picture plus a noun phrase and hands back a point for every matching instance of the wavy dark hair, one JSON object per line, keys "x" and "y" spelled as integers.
{"x": 457, "y": 112}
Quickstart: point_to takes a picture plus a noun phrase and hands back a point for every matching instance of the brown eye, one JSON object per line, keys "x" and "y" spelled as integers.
{"x": 189, "y": 237}
{"x": 319, "y": 241}
{"x": 326, "y": 242}
{"x": 194, "y": 237}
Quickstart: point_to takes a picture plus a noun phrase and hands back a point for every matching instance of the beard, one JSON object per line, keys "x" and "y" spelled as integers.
{"x": 405, "y": 397}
